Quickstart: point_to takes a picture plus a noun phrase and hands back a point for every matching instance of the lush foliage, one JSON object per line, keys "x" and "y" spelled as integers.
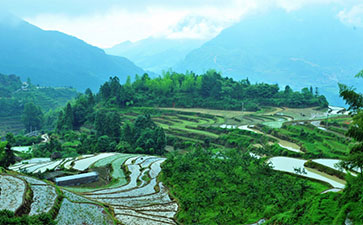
{"x": 8, "y": 217}
{"x": 209, "y": 90}
{"x": 355, "y": 102}
{"x": 329, "y": 208}
{"x": 229, "y": 188}
{"x": 32, "y": 117}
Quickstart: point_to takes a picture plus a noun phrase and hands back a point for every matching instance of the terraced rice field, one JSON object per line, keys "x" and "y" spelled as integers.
{"x": 140, "y": 199}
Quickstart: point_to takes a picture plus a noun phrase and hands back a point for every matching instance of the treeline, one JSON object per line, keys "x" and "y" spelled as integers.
{"x": 209, "y": 90}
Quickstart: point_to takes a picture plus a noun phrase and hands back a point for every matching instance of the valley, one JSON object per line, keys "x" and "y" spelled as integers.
{"x": 130, "y": 189}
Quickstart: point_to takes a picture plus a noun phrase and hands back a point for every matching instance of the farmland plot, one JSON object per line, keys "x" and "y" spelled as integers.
{"x": 12, "y": 190}
{"x": 44, "y": 197}
{"x": 50, "y": 166}
{"x": 84, "y": 164}
{"x": 135, "y": 173}
{"x": 145, "y": 202}
{"x": 82, "y": 213}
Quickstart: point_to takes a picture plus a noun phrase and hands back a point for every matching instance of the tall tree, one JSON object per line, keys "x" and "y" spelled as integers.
{"x": 68, "y": 117}
{"x": 32, "y": 117}
{"x": 355, "y": 102}
{"x": 7, "y": 156}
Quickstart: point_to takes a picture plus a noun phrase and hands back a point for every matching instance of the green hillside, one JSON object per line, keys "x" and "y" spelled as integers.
{"x": 14, "y": 94}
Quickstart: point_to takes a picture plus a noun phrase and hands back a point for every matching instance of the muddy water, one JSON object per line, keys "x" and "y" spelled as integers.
{"x": 287, "y": 164}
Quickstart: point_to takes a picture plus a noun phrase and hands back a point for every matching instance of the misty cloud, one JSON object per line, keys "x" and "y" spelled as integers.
{"x": 106, "y": 23}
{"x": 353, "y": 16}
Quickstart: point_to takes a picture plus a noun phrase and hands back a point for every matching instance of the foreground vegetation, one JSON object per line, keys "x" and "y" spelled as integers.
{"x": 231, "y": 187}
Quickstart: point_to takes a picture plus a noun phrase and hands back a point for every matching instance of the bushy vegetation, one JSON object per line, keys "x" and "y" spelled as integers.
{"x": 329, "y": 208}
{"x": 8, "y": 217}
{"x": 209, "y": 90}
{"x": 230, "y": 187}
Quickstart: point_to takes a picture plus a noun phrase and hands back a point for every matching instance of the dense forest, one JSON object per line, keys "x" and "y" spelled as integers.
{"x": 209, "y": 90}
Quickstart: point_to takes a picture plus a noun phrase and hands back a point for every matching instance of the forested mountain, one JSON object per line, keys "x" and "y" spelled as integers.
{"x": 52, "y": 58}
{"x": 307, "y": 47}
{"x": 155, "y": 54}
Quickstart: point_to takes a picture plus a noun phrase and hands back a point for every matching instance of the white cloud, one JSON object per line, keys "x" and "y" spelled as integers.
{"x": 117, "y": 25}
{"x": 353, "y": 16}
{"x": 198, "y": 19}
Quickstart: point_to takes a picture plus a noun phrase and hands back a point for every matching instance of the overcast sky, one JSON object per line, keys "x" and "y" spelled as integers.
{"x": 105, "y": 23}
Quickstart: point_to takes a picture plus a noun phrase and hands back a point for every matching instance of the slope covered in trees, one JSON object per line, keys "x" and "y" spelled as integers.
{"x": 25, "y": 102}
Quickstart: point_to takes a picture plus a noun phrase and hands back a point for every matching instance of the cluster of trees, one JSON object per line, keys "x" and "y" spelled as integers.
{"x": 209, "y": 90}
{"x": 107, "y": 134}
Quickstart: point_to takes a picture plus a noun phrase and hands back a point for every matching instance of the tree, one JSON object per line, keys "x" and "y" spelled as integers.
{"x": 32, "y": 117}
{"x": 7, "y": 156}
{"x": 10, "y": 139}
{"x": 355, "y": 102}
{"x": 68, "y": 117}
{"x": 287, "y": 90}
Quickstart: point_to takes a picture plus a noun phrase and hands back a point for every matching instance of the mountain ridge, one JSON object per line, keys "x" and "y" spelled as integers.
{"x": 52, "y": 58}
{"x": 309, "y": 47}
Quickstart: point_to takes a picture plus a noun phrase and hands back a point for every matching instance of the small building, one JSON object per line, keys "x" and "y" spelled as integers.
{"x": 78, "y": 179}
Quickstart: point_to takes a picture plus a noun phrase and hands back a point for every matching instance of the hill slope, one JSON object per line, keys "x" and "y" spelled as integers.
{"x": 300, "y": 48}
{"x": 14, "y": 95}
{"x": 52, "y": 58}
{"x": 155, "y": 54}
